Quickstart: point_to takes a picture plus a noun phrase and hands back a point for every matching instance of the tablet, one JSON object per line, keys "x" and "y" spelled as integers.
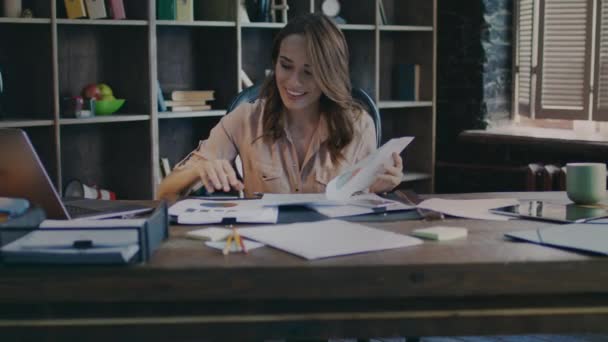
{"x": 546, "y": 211}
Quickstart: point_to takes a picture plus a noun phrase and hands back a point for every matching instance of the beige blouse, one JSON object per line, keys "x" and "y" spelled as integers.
{"x": 274, "y": 168}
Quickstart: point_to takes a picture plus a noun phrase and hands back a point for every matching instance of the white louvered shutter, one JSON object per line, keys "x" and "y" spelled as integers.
{"x": 564, "y": 59}
{"x": 601, "y": 80}
{"x": 525, "y": 24}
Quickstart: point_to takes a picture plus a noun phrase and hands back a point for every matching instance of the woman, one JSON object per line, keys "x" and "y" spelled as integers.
{"x": 304, "y": 130}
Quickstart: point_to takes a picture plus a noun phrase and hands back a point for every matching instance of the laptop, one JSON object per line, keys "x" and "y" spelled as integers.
{"x": 23, "y": 175}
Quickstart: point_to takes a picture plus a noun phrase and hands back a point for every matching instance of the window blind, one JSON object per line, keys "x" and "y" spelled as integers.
{"x": 601, "y": 76}
{"x": 524, "y": 54}
{"x": 564, "y": 59}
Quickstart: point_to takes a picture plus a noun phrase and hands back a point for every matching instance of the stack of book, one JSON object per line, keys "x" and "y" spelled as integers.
{"x": 190, "y": 100}
{"x": 95, "y": 9}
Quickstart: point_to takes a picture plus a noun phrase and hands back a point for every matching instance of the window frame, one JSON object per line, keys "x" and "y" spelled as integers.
{"x": 534, "y": 109}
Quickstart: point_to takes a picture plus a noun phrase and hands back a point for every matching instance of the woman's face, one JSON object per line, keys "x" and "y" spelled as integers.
{"x": 293, "y": 73}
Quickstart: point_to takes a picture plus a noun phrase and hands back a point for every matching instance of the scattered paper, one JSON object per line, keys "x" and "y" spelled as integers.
{"x": 198, "y": 211}
{"x": 327, "y": 238}
{"x": 361, "y": 205}
{"x": 77, "y": 224}
{"x": 233, "y": 246}
{"x": 209, "y": 234}
{"x": 474, "y": 209}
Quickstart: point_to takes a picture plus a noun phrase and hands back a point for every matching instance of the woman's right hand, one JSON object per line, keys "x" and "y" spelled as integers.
{"x": 218, "y": 175}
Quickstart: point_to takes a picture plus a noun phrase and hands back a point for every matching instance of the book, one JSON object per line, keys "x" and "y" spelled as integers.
{"x": 117, "y": 9}
{"x": 183, "y": 95}
{"x": 165, "y": 166}
{"x": 189, "y": 108}
{"x": 171, "y": 103}
{"x": 407, "y": 82}
{"x": 96, "y": 9}
{"x": 184, "y": 10}
{"x": 75, "y": 9}
{"x": 165, "y": 10}
{"x": 247, "y": 82}
{"x": 383, "y": 19}
{"x": 162, "y": 107}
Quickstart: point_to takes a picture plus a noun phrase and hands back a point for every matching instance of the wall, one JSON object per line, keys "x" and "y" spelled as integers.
{"x": 473, "y": 68}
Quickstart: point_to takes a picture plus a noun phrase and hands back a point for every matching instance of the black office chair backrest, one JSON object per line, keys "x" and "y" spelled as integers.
{"x": 251, "y": 94}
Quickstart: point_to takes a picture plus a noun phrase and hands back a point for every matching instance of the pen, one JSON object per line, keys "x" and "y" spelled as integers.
{"x": 238, "y": 240}
{"x": 228, "y": 245}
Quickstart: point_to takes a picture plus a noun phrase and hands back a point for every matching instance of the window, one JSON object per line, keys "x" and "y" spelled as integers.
{"x": 561, "y": 52}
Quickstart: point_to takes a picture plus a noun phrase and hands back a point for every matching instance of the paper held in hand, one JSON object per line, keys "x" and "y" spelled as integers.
{"x": 362, "y": 175}
{"x": 339, "y": 190}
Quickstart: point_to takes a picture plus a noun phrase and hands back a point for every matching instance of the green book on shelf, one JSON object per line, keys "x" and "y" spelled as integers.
{"x": 165, "y": 9}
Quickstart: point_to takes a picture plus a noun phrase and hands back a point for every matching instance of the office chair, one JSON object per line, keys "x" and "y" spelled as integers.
{"x": 251, "y": 94}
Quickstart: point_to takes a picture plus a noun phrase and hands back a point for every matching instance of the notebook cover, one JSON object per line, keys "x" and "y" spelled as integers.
{"x": 75, "y": 9}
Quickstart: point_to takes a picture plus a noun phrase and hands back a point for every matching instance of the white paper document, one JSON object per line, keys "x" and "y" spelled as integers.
{"x": 58, "y": 246}
{"x": 327, "y": 238}
{"x": 198, "y": 211}
{"x": 233, "y": 247}
{"x": 107, "y": 223}
{"x": 361, "y": 205}
{"x": 474, "y": 209}
{"x": 360, "y": 176}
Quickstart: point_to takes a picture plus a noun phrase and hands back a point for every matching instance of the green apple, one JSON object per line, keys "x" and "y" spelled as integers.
{"x": 107, "y": 97}
{"x": 105, "y": 89}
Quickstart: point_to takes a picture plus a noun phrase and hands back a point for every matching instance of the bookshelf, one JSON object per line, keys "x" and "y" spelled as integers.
{"x": 50, "y": 57}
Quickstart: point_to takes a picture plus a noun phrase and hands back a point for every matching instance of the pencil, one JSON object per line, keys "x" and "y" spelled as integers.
{"x": 239, "y": 241}
{"x": 228, "y": 245}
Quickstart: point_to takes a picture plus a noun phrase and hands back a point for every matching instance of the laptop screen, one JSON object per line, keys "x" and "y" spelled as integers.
{"x": 24, "y": 176}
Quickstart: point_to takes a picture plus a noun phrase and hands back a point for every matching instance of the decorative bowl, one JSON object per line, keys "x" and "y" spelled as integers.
{"x": 107, "y": 107}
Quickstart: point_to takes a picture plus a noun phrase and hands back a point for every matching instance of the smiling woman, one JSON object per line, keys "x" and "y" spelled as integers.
{"x": 304, "y": 129}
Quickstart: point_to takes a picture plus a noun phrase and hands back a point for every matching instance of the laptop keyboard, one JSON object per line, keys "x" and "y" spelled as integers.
{"x": 76, "y": 211}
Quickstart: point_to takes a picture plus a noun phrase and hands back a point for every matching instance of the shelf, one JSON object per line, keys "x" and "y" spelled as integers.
{"x": 107, "y": 22}
{"x": 24, "y": 123}
{"x": 205, "y": 23}
{"x": 199, "y": 114}
{"x": 263, "y": 25}
{"x": 395, "y": 28}
{"x": 403, "y": 104}
{"x": 356, "y": 27}
{"x": 6, "y": 20}
{"x": 103, "y": 119}
{"x": 414, "y": 176}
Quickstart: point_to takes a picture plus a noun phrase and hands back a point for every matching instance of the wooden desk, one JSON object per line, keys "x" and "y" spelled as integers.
{"x": 479, "y": 285}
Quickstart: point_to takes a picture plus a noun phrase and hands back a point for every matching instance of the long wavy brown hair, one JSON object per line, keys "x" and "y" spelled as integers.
{"x": 328, "y": 52}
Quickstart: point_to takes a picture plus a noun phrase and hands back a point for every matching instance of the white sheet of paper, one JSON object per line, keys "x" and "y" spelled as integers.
{"x": 77, "y": 224}
{"x": 361, "y": 175}
{"x": 209, "y": 234}
{"x": 474, "y": 209}
{"x": 233, "y": 247}
{"x": 198, "y": 211}
{"x": 364, "y": 204}
{"x": 297, "y": 199}
{"x": 329, "y": 238}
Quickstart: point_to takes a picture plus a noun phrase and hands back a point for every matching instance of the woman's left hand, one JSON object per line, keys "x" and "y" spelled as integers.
{"x": 390, "y": 178}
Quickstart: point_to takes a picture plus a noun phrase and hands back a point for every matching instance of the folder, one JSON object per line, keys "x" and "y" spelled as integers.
{"x": 75, "y": 9}
{"x": 111, "y": 241}
{"x": 96, "y": 8}
{"x": 588, "y": 237}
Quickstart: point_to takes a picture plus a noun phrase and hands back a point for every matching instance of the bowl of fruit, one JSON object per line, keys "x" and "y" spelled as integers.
{"x": 105, "y": 102}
